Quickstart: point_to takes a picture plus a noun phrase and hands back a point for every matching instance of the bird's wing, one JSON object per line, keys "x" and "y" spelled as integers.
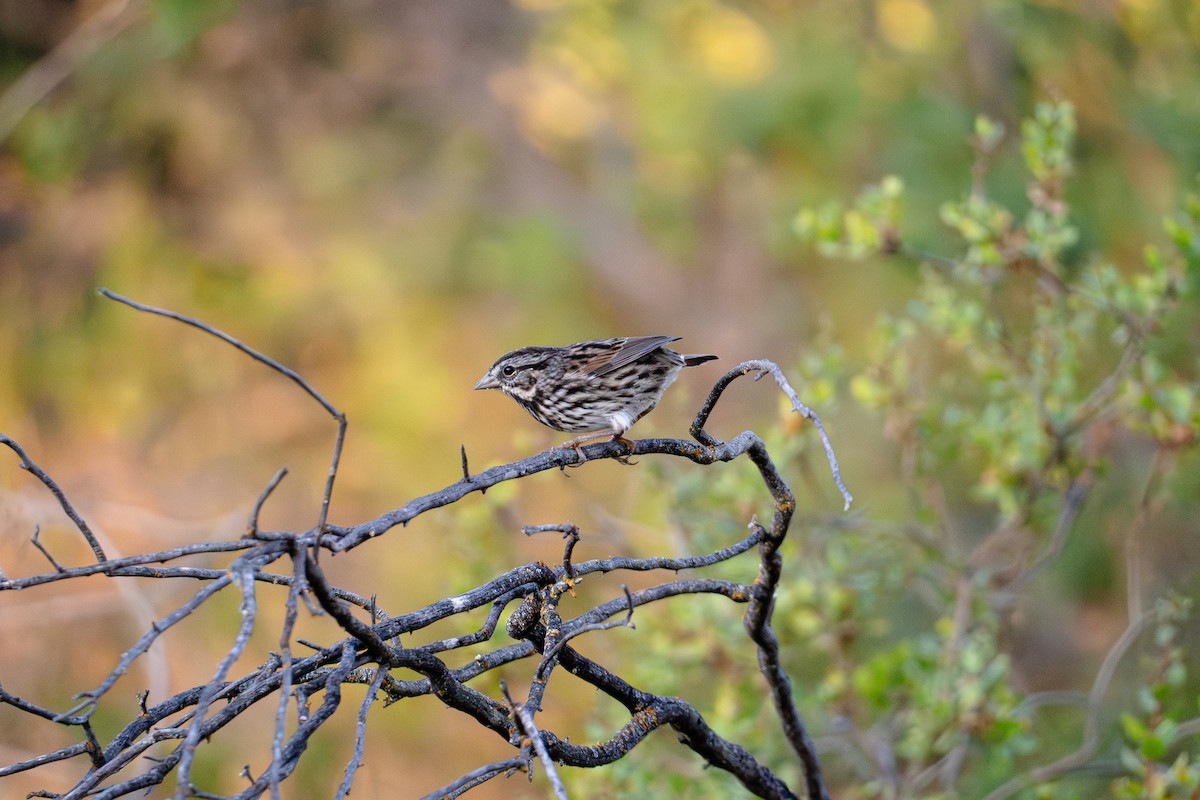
{"x": 630, "y": 350}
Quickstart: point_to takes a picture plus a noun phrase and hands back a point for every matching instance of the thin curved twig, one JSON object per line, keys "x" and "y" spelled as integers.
{"x": 476, "y": 777}
{"x": 287, "y": 372}
{"x": 28, "y": 465}
{"x": 763, "y": 367}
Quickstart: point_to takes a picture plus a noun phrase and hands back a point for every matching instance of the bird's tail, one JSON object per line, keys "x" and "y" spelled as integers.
{"x": 692, "y": 361}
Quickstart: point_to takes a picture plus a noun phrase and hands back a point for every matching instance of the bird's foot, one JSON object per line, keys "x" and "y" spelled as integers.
{"x": 623, "y": 459}
{"x": 576, "y": 444}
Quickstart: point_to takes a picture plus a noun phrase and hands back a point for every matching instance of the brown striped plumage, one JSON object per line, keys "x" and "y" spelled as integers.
{"x": 599, "y": 387}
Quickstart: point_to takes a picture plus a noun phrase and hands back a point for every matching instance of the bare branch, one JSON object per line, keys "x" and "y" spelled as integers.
{"x": 570, "y": 534}
{"x": 299, "y": 740}
{"x": 243, "y": 572}
{"x": 287, "y": 372}
{"x": 28, "y": 465}
{"x": 627, "y": 622}
{"x": 475, "y": 778}
{"x": 49, "y": 758}
{"x": 530, "y": 729}
{"x": 143, "y": 644}
{"x": 37, "y": 530}
{"x": 360, "y": 735}
{"x": 252, "y": 522}
{"x": 339, "y": 539}
{"x": 291, "y": 610}
{"x": 763, "y": 367}
{"x": 128, "y": 565}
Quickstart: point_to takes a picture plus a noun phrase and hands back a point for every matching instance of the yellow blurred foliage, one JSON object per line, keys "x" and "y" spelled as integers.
{"x": 908, "y": 25}
{"x": 595, "y": 61}
{"x": 589, "y": 47}
{"x": 732, "y": 47}
{"x": 550, "y": 109}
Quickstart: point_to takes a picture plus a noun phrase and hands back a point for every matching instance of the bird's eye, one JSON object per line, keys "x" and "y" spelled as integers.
{"x": 508, "y": 371}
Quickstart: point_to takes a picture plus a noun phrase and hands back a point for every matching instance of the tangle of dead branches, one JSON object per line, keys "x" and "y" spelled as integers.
{"x": 307, "y": 689}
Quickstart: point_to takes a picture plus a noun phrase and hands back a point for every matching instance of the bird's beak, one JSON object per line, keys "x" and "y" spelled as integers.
{"x": 488, "y": 382}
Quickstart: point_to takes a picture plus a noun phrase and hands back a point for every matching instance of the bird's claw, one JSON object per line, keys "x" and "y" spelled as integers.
{"x": 565, "y": 448}
{"x": 581, "y": 458}
{"x": 624, "y": 459}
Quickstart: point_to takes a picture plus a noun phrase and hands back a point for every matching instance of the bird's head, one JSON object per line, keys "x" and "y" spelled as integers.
{"x": 517, "y": 373}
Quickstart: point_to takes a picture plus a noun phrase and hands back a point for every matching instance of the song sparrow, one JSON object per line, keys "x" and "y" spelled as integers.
{"x": 600, "y": 387}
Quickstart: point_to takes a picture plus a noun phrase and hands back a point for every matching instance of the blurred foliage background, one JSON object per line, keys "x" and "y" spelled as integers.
{"x": 387, "y": 196}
